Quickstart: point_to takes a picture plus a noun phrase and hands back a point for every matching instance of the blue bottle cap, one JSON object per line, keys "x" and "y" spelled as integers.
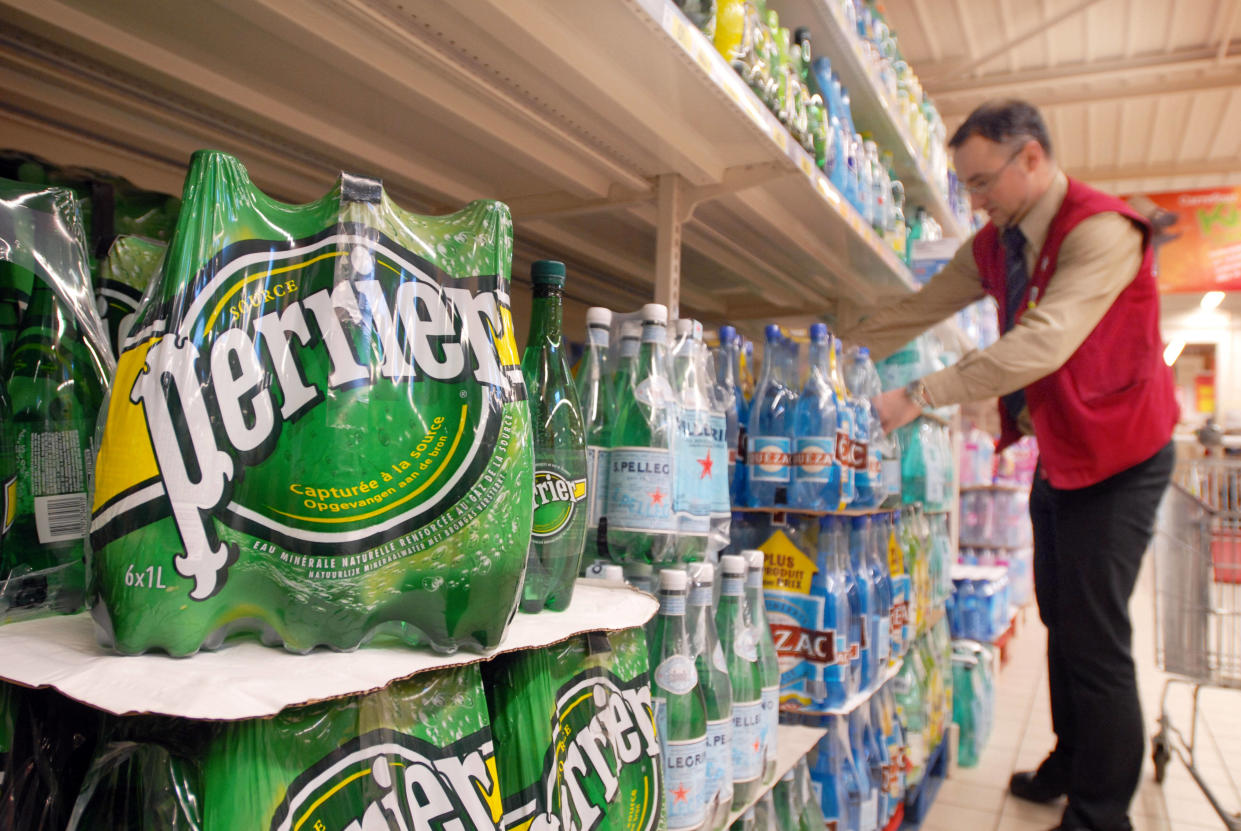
{"x": 818, "y": 331}
{"x": 773, "y": 333}
{"x": 860, "y": 521}
{"x": 728, "y": 334}
{"x": 863, "y": 352}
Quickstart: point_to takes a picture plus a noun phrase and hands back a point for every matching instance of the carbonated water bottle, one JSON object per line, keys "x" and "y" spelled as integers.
{"x": 768, "y": 458}
{"x": 745, "y": 674}
{"x": 768, "y": 662}
{"x": 816, "y": 468}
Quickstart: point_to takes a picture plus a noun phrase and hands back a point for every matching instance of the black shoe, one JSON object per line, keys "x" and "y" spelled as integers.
{"x": 1026, "y": 785}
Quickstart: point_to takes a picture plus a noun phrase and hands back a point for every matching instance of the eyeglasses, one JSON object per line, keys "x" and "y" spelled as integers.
{"x": 985, "y": 182}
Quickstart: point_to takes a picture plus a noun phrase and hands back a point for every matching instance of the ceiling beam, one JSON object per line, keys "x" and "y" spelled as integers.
{"x": 1115, "y": 173}
{"x": 1185, "y": 60}
{"x": 1051, "y": 96}
{"x": 970, "y": 65}
{"x": 1225, "y": 30}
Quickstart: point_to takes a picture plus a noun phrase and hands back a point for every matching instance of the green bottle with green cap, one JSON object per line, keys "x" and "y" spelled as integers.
{"x": 560, "y": 497}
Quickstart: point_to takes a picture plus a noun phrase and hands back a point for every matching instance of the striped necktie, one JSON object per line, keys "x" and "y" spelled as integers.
{"x": 1016, "y": 276}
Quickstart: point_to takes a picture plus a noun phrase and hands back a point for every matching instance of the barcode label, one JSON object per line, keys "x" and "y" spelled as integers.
{"x": 59, "y": 518}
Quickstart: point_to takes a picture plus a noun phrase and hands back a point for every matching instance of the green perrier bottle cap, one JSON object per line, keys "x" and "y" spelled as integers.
{"x": 548, "y": 273}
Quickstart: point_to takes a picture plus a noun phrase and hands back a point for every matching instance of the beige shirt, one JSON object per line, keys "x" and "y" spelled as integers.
{"x": 1097, "y": 260}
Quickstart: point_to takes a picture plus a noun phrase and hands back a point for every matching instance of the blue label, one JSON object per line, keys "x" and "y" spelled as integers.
{"x": 720, "y": 761}
{"x": 769, "y": 459}
{"x": 747, "y": 740}
{"x": 696, "y": 464}
{"x": 640, "y": 490}
{"x": 685, "y": 782}
{"x": 813, "y": 458}
{"x": 796, "y": 620}
{"x": 596, "y": 484}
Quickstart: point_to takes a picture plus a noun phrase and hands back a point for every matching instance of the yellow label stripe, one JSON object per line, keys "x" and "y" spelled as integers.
{"x": 263, "y": 275}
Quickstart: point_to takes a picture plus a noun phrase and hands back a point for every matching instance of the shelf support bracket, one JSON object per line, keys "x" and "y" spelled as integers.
{"x": 673, "y": 211}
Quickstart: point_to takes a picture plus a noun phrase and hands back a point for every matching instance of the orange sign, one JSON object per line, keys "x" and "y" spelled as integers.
{"x": 1197, "y": 238}
{"x": 1204, "y": 392}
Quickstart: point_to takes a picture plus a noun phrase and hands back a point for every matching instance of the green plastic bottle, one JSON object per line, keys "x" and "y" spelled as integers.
{"x": 680, "y": 707}
{"x": 713, "y": 678}
{"x": 745, "y": 673}
{"x": 641, "y": 524}
{"x": 768, "y": 663}
{"x": 626, "y": 367}
{"x": 560, "y": 492}
{"x": 594, "y": 393}
{"x": 57, "y": 388}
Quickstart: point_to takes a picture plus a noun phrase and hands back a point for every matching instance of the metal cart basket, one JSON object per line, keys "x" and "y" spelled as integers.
{"x": 1197, "y": 551}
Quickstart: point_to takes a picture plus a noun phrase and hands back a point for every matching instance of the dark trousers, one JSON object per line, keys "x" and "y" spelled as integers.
{"x": 1088, "y": 546}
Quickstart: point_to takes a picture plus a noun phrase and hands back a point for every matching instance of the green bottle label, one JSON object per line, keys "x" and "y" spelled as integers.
{"x": 574, "y": 728}
{"x": 557, "y": 499}
{"x": 384, "y": 777}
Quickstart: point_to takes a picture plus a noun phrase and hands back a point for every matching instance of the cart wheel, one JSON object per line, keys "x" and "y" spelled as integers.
{"x": 1160, "y": 756}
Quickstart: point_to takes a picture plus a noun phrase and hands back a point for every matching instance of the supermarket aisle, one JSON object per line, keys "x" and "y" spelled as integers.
{"x": 977, "y": 799}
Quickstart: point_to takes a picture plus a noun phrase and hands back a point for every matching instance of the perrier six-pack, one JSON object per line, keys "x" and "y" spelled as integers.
{"x": 317, "y": 429}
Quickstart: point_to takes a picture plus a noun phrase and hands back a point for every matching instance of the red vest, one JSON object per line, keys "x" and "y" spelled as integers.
{"x": 1112, "y": 404}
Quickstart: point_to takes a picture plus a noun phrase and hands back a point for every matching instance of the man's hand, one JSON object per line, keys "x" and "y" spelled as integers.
{"x": 896, "y": 409}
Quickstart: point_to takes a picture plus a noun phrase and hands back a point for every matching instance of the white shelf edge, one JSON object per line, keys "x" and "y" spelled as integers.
{"x": 245, "y": 679}
{"x": 793, "y": 742}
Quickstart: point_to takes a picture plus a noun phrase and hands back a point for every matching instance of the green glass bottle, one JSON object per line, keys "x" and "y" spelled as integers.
{"x": 8, "y": 489}
{"x": 737, "y": 642}
{"x": 641, "y": 524}
{"x": 788, "y": 803}
{"x": 56, "y": 387}
{"x": 713, "y": 678}
{"x": 812, "y": 818}
{"x": 680, "y": 707}
{"x": 770, "y": 668}
{"x": 595, "y": 395}
{"x": 16, "y": 284}
{"x": 560, "y": 492}
{"x": 626, "y": 363}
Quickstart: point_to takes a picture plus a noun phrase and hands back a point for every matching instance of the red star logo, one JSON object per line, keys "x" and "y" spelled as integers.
{"x": 681, "y": 794}
{"x": 757, "y": 744}
{"x": 657, "y": 498}
{"x": 707, "y": 464}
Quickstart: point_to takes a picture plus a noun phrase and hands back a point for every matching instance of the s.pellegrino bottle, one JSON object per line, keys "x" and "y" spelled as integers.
{"x": 767, "y": 659}
{"x": 641, "y": 522}
{"x": 745, "y": 673}
{"x": 560, "y": 491}
{"x": 816, "y": 468}
{"x": 680, "y": 707}
{"x": 595, "y": 396}
{"x": 692, "y": 446}
{"x": 769, "y": 451}
{"x": 811, "y": 818}
{"x": 712, "y": 669}
{"x": 626, "y": 363}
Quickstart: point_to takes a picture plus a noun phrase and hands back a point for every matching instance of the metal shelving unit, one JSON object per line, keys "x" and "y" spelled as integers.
{"x": 619, "y": 137}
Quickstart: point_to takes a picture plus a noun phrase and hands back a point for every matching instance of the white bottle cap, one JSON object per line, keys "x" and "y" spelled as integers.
{"x": 613, "y": 574}
{"x": 701, "y": 572}
{"x": 733, "y": 564}
{"x": 673, "y": 579}
{"x": 631, "y": 329}
{"x": 684, "y": 326}
{"x": 655, "y": 313}
{"x": 598, "y": 316}
{"x": 754, "y": 557}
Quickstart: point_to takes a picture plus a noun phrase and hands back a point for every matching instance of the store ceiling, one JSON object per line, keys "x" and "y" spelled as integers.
{"x": 1140, "y": 96}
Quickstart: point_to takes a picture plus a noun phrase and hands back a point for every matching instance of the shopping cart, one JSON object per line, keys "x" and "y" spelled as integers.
{"x": 1197, "y": 550}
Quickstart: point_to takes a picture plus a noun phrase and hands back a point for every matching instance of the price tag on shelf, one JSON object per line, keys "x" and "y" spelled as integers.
{"x": 781, "y": 136}
{"x": 807, "y": 166}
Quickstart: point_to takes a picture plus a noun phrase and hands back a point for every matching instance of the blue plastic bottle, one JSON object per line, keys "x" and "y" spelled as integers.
{"x": 831, "y": 583}
{"x": 828, "y": 784}
{"x": 846, "y": 429}
{"x": 868, "y": 812}
{"x": 880, "y": 761}
{"x": 859, "y": 534}
{"x": 816, "y": 468}
{"x": 769, "y": 454}
{"x": 881, "y": 582}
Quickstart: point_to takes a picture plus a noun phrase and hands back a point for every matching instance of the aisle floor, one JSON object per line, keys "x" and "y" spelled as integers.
{"x": 977, "y": 799}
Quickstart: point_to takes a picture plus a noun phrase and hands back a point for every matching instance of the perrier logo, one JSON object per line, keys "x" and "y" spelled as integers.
{"x": 602, "y": 769}
{"x": 556, "y": 499}
{"x": 328, "y": 395}
{"x": 388, "y": 780}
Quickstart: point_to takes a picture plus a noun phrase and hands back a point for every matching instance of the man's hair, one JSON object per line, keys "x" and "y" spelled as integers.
{"x": 1002, "y": 121}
